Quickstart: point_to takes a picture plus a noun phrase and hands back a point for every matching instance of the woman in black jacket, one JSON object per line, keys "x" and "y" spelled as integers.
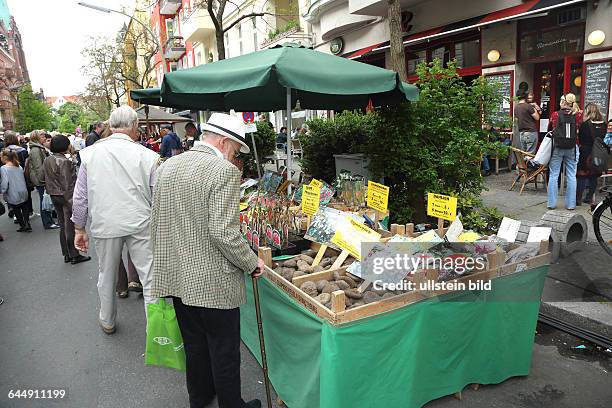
{"x": 591, "y": 128}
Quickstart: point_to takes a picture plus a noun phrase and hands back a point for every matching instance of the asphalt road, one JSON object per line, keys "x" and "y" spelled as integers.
{"x": 49, "y": 338}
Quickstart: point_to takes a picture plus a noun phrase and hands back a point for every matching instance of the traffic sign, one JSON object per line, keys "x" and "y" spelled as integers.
{"x": 248, "y": 117}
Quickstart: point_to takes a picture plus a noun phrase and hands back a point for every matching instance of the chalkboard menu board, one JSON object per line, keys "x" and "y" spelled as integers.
{"x": 597, "y": 85}
{"x": 501, "y": 114}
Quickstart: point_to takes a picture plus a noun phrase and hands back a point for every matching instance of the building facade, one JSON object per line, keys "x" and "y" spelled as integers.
{"x": 13, "y": 67}
{"x": 554, "y": 46}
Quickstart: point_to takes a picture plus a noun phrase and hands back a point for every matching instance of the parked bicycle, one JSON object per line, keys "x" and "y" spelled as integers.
{"x": 602, "y": 220}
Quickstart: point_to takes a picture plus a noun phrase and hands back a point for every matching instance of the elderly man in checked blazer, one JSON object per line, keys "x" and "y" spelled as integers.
{"x": 196, "y": 200}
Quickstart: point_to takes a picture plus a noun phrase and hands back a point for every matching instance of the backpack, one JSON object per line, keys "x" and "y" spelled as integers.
{"x": 599, "y": 157}
{"x": 564, "y": 134}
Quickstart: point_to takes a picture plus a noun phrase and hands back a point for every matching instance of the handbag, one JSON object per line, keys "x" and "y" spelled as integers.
{"x": 47, "y": 204}
{"x": 544, "y": 151}
{"x": 164, "y": 346}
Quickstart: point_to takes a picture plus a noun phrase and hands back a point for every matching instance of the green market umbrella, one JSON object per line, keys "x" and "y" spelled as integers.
{"x": 276, "y": 78}
{"x": 262, "y": 81}
{"x": 149, "y": 96}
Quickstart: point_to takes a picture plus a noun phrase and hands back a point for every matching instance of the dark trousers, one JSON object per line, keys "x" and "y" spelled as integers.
{"x": 212, "y": 348}
{"x": 124, "y": 277}
{"x": 45, "y": 216}
{"x": 64, "y": 212}
{"x": 588, "y": 183}
{"x": 22, "y": 213}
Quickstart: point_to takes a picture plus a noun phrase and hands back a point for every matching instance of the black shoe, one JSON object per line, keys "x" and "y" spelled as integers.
{"x": 253, "y": 404}
{"x": 28, "y": 227}
{"x": 67, "y": 259}
{"x": 79, "y": 259}
{"x": 22, "y": 229}
{"x": 52, "y": 227}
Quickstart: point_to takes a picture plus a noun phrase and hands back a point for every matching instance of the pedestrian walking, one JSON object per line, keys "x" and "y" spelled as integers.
{"x": 11, "y": 142}
{"x": 94, "y": 135}
{"x": 564, "y": 124}
{"x": 13, "y": 187}
{"x": 206, "y": 278}
{"x": 593, "y": 127}
{"x": 191, "y": 133}
{"x": 114, "y": 189}
{"x": 527, "y": 117}
{"x": 170, "y": 143}
{"x": 35, "y": 174}
{"x": 60, "y": 179}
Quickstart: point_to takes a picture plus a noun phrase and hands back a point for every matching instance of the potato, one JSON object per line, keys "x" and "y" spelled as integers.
{"x": 370, "y": 297}
{"x": 317, "y": 268}
{"x": 348, "y": 280}
{"x": 291, "y": 263}
{"x": 342, "y": 284}
{"x": 310, "y": 252}
{"x": 307, "y": 258}
{"x": 288, "y": 274}
{"x": 336, "y": 275}
{"x": 310, "y": 288}
{"x": 325, "y": 262}
{"x": 303, "y": 265}
{"x": 348, "y": 301}
{"x": 353, "y": 294}
{"x": 323, "y": 298}
{"x": 297, "y": 274}
{"x": 321, "y": 284}
{"x": 330, "y": 287}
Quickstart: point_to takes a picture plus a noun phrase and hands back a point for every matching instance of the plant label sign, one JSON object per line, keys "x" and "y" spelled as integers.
{"x": 351, "y": 234}
{"x": 310, "y": 200}
{"x": 378, "y": 196}
{"x": 509, "y": 229}
{"x": 316, "y": 183}
{"x": 441, "y": 206}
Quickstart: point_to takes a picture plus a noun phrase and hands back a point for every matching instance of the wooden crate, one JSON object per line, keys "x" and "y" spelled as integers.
{"x": 337, "y": 314}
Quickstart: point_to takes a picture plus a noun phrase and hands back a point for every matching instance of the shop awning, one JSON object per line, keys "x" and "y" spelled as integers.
{"x": 522, "y": 10}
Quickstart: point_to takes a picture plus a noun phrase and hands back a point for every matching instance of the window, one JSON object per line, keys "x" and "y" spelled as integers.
{"x": 170, "y": 27}
{"x": 240, "y": 39}
{"x": 255, "y": 42}
{"x": 414, "y": 59}
{"x": 441, "y": 53}
{"x": 467, "y": 53}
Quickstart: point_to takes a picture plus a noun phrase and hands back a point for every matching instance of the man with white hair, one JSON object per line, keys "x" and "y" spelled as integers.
{"x": 114, "y": 190}
{"x": 196, "y": 200}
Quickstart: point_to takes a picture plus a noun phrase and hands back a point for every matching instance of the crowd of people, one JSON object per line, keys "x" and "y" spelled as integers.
{"x": 114, "y": 187}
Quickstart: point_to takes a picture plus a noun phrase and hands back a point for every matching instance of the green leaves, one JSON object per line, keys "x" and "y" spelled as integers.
{"x": 32, "y": 114}
{"x": 265, "y": 140}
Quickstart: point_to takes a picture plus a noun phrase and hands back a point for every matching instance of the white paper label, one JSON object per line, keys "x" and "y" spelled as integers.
{"x": 537, "y": 234}
{"x": 250, "y": 128}
{"x": 509, "y": 229}
{"x": 455, "y": 229}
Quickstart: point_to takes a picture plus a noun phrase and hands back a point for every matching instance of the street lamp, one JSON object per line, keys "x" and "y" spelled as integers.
{"x": 107, "y": 10}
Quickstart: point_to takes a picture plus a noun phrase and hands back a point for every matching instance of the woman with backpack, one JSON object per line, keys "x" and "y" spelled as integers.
{"x": 592, "y": 131}
{"x": 13, "y": 186}
{"x": 564, "y": 125}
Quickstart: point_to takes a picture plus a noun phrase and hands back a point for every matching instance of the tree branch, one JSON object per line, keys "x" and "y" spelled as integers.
{"x": 242, "y": 17}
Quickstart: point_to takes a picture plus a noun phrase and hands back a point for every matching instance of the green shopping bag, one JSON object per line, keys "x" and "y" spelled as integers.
{"x": 165, "y": 346}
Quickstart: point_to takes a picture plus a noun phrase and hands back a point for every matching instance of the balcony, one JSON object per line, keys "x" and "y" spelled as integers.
{"x": 174, "y": 48}
{"x": 376, "y": 7}
{"x": 169, "y": 7}
{"x": 197, "y": 25}
{"x": 294, "y": 35}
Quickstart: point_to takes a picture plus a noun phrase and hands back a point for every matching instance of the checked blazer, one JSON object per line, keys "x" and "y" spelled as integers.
{"x": 199, "y": 254}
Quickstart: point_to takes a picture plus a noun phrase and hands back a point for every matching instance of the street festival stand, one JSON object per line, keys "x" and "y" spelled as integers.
{"x": 403, "y": 350}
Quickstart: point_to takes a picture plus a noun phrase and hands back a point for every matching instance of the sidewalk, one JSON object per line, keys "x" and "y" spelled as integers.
{"x": 578, "y": 289}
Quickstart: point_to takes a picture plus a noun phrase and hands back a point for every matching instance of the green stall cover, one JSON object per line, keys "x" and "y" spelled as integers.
{"x": 404, "y": 358}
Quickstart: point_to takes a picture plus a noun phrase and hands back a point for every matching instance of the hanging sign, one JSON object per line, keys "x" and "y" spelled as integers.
{"x": 310, "y": 200}
{"x": 441, "y": 206}
{"x": 378, "y": 196}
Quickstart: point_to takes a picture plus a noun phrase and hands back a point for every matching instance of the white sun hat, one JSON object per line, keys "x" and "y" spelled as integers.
{"x": 228, "y": 126}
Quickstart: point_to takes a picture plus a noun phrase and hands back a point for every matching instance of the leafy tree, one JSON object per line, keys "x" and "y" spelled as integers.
{"x": 31, "y": 114}
{"x": 69, "y": 116}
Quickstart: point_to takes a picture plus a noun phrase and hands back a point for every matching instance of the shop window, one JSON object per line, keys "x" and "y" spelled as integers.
{"x": 413, "y": 60}
{"x": 467, "y": 53}
{"x": 441, "y": 53}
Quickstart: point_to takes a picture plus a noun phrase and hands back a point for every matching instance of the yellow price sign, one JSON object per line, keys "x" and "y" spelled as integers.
{"x": 243, "y": 206}
{"x": 351, "y": 234}
{"x": 441, "y": 206}
{"x": 310, "y": 200}
{"x": 316, "y": 183}
{"x": 378, "y": 196}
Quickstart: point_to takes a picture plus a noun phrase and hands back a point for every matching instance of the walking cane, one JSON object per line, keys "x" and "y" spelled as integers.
{"x": 262, "y": 344}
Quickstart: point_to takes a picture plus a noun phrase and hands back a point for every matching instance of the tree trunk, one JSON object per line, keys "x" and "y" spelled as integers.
{"x": 220, "y": 45}
{"x": 398, "y": 55}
